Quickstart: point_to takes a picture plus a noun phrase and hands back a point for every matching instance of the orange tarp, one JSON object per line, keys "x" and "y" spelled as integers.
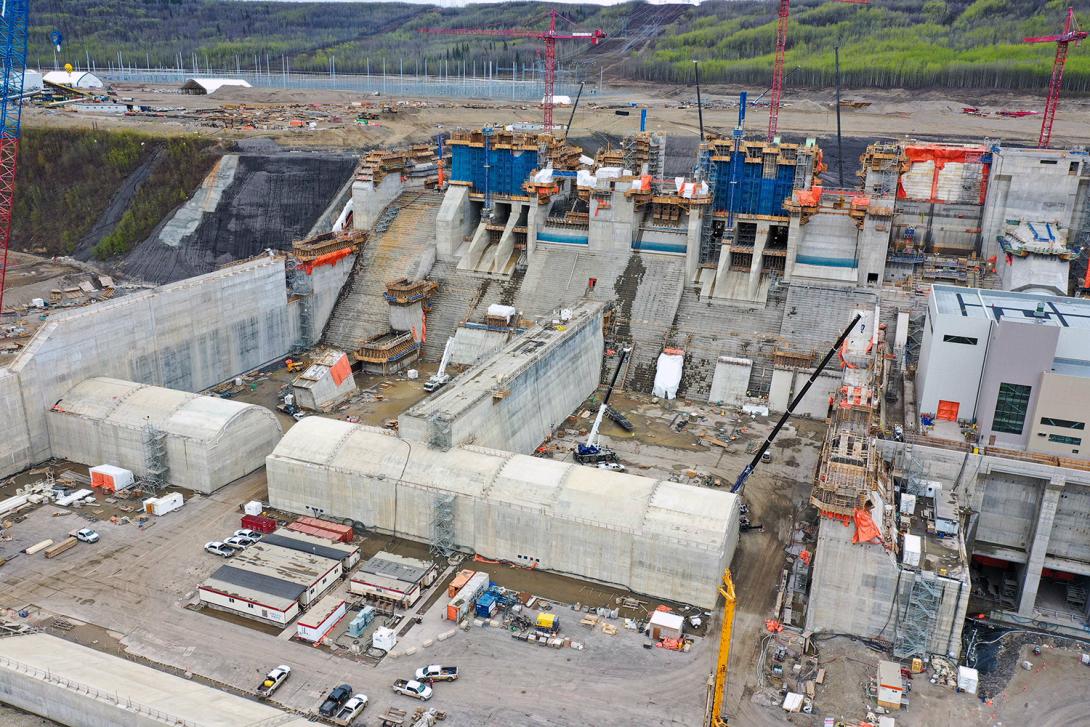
{"x": 809, "y": 197}
{"x": 330, "y": 258}
{"x": 865, "y": 529}
{"x": 341, "y": 370}
{"x": 941, "y": 155}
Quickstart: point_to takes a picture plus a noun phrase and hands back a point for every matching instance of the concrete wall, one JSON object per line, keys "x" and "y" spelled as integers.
{"x": 541, "y": 377}
{"x": 659, "y": 538}
{"x": 612, "y": 226}
{"x": 945, "y": 227}
{"x": 81, "y": 687}
{"x": 786, "y": 384}
{"x": 473, "y": 344}
{"x": 187, "y": 335}
{"x": 1018, "y": 353}
{"x": 860, "y": 589}
{"x": 368, "y": 200}
{"x": 326, "y": 282}
{"x": 1049, "y": 185}
{"x": 1034, "y": 273}
{"x": 454, "y": 223}
{"x": 730, "y": 381}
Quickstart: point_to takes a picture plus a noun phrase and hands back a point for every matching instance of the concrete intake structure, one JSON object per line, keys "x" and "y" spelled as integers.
{"x": 660, "y": 538}
{"x": 517, "y": 396}
{"x": 209, "y": 441}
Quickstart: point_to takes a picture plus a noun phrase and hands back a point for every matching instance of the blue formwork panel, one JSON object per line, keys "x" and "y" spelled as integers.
{"x": 753, "y": 193}
{"x": 510, "y": 168}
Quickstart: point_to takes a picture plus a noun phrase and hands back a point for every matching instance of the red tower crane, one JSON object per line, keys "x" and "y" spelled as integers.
{"x": 777, "y": 65}
{"x": 550, "y": 37}
{"x": 1070, "y": 34}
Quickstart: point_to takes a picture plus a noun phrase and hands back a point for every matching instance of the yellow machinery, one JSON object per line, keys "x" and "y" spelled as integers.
{"x": 294, "y": 365}
{"x": 727, "y": 592}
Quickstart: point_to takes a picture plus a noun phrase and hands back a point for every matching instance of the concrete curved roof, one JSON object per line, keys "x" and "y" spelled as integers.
{"x": 180, "y": 413}
{"x": 619, "y": 501}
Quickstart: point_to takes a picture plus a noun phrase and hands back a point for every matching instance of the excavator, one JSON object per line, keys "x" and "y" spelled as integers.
{"x": 590, "y": 452}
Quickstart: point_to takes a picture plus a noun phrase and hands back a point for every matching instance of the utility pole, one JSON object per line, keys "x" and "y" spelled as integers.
{"x": 839, "y": 146}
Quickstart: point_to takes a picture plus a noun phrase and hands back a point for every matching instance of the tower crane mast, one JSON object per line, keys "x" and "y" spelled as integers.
{"x": 1071, "y": 35}
{"x": 13, "y": 46}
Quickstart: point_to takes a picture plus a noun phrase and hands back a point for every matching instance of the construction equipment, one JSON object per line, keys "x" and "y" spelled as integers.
{"x": 1071, "y": 34}
{"x": 441, "y": 377}
{"x": 591, "y": 452}
{"x": 575, "y": 107}
{"x": 741, "y": 481}
{"x": 727, "y": 592}
{"x": 13, "y": 42}
{"x": 549, "y": 36}
{"x": 292, "y": 365}
{"x": 777, "y": 65}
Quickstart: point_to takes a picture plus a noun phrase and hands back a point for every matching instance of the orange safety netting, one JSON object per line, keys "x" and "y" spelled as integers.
{"x": 941, "y": 156}
{"x": 809, "y": 197}
{"x": 330, "y": 258}
{"x": 865, "y": 529}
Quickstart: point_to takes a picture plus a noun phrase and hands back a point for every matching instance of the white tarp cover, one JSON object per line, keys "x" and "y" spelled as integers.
{"x": 544, "y": 176}
{"x": 506, "y": 312}
{"x": 668, "y": 375}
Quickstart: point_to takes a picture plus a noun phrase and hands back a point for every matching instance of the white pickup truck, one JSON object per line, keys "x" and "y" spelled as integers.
{"x": 436, "y": 673}
{"x": 412, "y": 688}
{"x": 273, "y": 680}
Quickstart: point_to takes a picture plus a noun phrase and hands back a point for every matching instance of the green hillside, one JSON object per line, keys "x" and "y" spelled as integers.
{"x": 888, "y": 43}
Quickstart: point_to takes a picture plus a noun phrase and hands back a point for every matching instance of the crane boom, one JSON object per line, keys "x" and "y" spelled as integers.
{"x": 549, "y": 37}
{"x": 13, "y": 45}
{"x": 741, "y": 481}
{"x": 723, "y": 661}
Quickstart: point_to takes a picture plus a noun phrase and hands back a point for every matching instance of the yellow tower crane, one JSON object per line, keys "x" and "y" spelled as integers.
{"x": 727, "y": 592}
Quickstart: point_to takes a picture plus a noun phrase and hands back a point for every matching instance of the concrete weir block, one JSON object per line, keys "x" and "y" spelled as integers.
{"x": 428, "y": 642}
{"x": 446, "y": 635}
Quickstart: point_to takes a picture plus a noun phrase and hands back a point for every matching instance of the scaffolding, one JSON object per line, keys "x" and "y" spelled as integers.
{"x": 155, "y": 458}
{"x": 709, "y": 247}
{"x": 442, "y": 525}
{"x": 300, "y": 285}
{"x": 915, "y": 627}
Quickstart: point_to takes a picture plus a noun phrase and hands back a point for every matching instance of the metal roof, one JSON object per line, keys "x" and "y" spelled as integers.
{"x": 995, "y": 305}
{"x": 407, "y": 570}
{"x": 307, "y": 544}
{"x": 261, "y": 587}
{"x": 285, "y": 564}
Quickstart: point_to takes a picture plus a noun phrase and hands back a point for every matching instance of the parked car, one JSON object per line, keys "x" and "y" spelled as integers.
{"x": 273, "y": 680}
{"x": 87, "y": 535}
{"x": 413, "y": 688}
{"x": 335, "y": 700}
{"x": 351, "y": 709}
{"x": 615, "y": 466}
{"x": 247, "y": 533}
{"x": 436, "y": 673}
{"x": 221, "y": 549}
{"x": 239, "y": 541}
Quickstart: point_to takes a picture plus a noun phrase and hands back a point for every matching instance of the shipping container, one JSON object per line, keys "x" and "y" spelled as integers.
{"x": 486, "y": 605}
{"x": 913, "y": 548}
{"x": 259, "y": 523}
{"x": 459, "y": 581}
{"x": 336, "y": 531}
{"x": 109, "y": 478}
{"x": 461, "y": 603}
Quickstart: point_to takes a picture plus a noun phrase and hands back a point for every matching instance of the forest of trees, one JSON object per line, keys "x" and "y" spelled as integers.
{"x": 887, "y": 43}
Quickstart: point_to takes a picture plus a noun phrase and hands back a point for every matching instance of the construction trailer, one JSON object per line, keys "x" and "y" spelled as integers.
{"x": 395, "y": 579}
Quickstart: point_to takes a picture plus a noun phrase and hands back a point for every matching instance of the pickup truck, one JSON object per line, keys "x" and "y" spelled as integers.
{"x": 335, "y": 700}
{"x": 351, "y": 710}
{"x": 273, "y": 680}
{"x": 436, "y": 673}
{"x": 414, "y": 689}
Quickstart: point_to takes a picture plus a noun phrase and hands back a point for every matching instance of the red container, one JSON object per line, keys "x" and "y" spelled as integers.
{"x": 260, "y": 523}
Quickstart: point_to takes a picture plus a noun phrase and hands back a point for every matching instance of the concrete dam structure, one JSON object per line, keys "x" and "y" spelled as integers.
{"x": 665, "y": 539}
{"x": 207, "y": 441}
{"x": 188, "y": 335}
{"x": 517, "y": 396}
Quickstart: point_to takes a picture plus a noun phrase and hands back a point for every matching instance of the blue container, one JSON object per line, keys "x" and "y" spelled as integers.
{"x": 486, "y": 605}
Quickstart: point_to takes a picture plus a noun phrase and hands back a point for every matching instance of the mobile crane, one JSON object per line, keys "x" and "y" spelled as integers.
{"x": 720, "y": 682}
{"x": 441, "y": 377}
{"x": 590, "y": 452}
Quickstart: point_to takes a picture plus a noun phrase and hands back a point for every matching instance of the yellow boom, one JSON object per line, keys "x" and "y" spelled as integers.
{"x": 727, "y": 592}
